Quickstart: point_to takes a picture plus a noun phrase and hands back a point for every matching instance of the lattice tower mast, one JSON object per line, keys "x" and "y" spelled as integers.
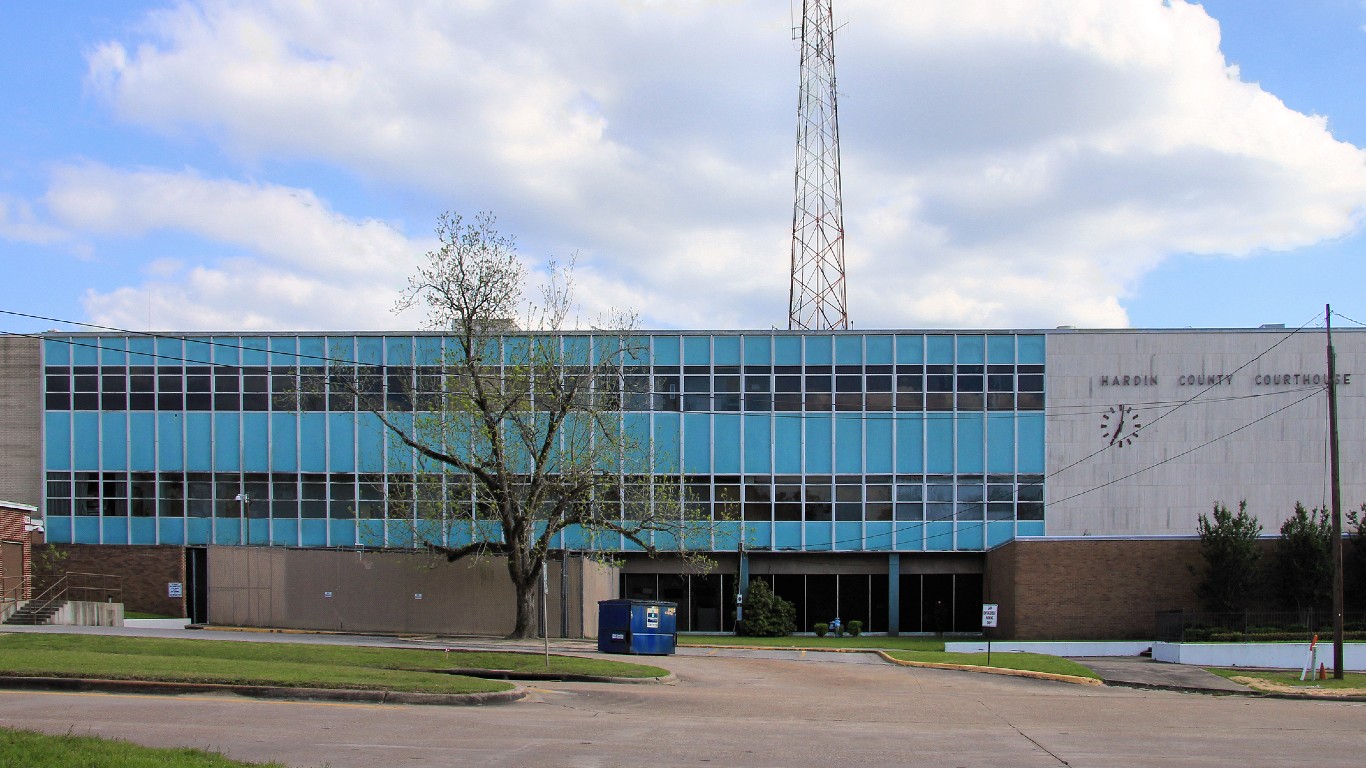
{"x": 816, "y": 300}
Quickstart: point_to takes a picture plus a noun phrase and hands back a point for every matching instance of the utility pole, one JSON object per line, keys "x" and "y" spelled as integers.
{"x": 816, "y": 300}
{"x": 1335, "y": 481}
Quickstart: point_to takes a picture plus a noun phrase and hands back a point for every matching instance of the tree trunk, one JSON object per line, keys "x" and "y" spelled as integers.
{"x": 528, "y": 610}
{"x": 526, "y": 580}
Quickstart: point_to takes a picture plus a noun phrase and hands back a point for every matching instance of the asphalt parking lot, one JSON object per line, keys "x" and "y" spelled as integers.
{"x": 741, "y": 710}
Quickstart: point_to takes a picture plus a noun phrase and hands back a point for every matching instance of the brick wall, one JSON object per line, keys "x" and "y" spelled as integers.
{"x": 1092, "y": 589}
{"x": 146, "y": 570}
{"x": 21, "y": 470}
{"x": 12, "y": 574}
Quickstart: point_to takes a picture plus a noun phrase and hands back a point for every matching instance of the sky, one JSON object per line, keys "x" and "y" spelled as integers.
{"x": 280, "y": 165}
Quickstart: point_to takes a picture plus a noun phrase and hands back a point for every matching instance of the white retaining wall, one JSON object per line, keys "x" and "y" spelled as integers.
{"x": 1257, "y": 655}
{"x": 1117, "y": 648}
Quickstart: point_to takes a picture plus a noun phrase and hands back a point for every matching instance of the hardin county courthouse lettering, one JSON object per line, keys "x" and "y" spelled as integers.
{"x": 1225, "y": 379}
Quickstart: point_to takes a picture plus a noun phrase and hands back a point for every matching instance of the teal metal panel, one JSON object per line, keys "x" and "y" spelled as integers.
{"x": 199, "y": 444}
{"x": 849, "y": 443}
{"x": 910, "y": 537}
{"x": 910, "y": 443}
{"x": 878, "y": 435}
{"x": 85, "y": 439}
{"x": 59, "y": 529}
{"x": 170, "y": 442}
{"x": 284, "y": 532}
{"x": 256, "y": 442}
{"x": 999, "y": 532}
{"x": 818, "y": 536}
{"x": 971, "y": 350}
{"x": 697, "y": 443}
{"x": 970, "y": 443}
{"x": 877, "y": 535}
{"x": 142, "y": 441}
{"x": 114, "y": 431}
{"x": 726, "y": 444}
{"x": 726, "y": 350}
{"x": 939, "y": 443}
{"x": 114, "y": 530}
{"x": 1000, "y": 350}
{"x": 877, "y": 350}
{"x": 227, "y": 440}
{"x": 1001, "y": 442}
{"x": 57, "y": 440}
{"x": 848, "y": 535}
{"x": 171, "y": 530}
{"x": 939, "y": 537}
{"x": 817, "y": 444}
{"x": 758, "y": 443}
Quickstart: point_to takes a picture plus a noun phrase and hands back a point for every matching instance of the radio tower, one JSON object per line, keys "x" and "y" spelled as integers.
{"x": 816, "y": 301}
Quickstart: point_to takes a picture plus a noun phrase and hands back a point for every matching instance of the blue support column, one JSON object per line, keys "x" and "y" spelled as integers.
{"x": 893, "y": 594}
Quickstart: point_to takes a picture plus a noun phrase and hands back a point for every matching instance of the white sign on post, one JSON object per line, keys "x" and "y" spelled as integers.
{"x": 989, "y": 611}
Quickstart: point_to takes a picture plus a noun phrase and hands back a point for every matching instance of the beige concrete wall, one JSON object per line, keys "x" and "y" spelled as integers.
{"x": 1177, "y": 466}
{"x": 80, "y": 613}
{"x": 387, "y": 592}
{"x": 21, "y": 436}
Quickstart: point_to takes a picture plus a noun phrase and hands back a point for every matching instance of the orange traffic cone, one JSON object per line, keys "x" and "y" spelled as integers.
{"x": 1323, "y": 671}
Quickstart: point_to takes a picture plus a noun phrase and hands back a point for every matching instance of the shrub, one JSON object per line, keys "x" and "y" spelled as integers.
{"x": 1228, "y": 543}
{"x": 855, "y": 627}
{"x": 1304, "y": 559}
{"x": 766, "y": 614}
{"x": 820, "y": 628}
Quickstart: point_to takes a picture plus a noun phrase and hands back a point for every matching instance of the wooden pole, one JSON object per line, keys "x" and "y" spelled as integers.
{"x": 1334, "y": 480}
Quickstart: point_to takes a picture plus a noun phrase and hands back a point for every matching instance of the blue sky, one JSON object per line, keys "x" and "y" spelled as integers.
{"x": 1007, "y": 163}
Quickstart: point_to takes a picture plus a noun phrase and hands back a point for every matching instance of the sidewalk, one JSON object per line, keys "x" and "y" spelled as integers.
{"x": 1143, "y": 672}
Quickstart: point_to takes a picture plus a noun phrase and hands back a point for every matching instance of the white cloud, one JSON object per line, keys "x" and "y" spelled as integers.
{"x": 18, "y": 223}
{"x": 292, "y": 263}
{"x": 1006, "y": 162}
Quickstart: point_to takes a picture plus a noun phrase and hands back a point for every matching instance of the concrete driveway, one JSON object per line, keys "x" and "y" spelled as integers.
{"x": 741, "y": 711}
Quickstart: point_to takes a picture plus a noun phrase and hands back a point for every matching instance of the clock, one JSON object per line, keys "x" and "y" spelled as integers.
{"x": 1119, "y": 425}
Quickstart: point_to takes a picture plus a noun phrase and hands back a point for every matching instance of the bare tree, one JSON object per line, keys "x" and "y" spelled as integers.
{"x": 529, "y": 426}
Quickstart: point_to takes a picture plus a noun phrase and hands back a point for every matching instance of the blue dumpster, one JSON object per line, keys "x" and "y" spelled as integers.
{"x": 637, "y": 626}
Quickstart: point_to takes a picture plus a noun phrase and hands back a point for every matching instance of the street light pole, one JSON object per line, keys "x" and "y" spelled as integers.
{"x": 245, "y": 526}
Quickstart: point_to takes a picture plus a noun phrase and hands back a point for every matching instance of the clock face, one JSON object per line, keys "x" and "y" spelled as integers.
{"x": 1119, "y": 425}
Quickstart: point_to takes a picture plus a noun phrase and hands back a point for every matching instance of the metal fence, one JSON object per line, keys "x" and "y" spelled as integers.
{"x": 1200, "y": 626}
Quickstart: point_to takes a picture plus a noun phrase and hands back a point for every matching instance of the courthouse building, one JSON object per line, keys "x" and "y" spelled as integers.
{"x": 900, "y": 478}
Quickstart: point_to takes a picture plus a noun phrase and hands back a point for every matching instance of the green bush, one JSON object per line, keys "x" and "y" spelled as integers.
{"x": 820, "y": 628}
{"x": 855, "y": 628}
{"x": 766, "y": 614}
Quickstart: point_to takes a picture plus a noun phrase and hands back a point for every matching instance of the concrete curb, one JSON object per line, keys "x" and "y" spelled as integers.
{"x": 1251, "y": 693}
{"x": 262, "y": 691}
{"x": 561, "y": 677}
{"x": 1054, "y": 676}
{"x": 1073, "y": 679}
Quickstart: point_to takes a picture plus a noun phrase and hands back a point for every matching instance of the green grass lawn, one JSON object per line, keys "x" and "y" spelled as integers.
{"x": 145, "y": 615}
{"x": 1034, "y": 662}
{"x": 808, "y": 641}
{"x": 25, "y": 749}
{"x": 1292, "y": 678}
{"x": 286, "y": 664}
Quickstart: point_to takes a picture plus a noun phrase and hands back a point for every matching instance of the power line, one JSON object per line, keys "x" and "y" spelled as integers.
{"x": 1186, "y": 402}
{"x": 1190, "y": 450}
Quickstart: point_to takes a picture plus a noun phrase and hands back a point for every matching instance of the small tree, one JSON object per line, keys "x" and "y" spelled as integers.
{"x": 517, "y": 436}
{"x": 1304, "y": 559}
{"x": 1228, "y": 543}
{"x": 1354, "y": 580}
{"x": 766, "y": 614}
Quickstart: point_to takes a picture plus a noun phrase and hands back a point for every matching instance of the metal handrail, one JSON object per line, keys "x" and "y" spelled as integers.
{"x": 65, "y": 585}
{"x": 16, "y": 593}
